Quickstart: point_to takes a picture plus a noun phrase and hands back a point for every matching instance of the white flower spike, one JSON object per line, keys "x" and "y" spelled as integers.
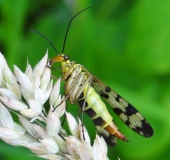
{"x": 40, "y": 130}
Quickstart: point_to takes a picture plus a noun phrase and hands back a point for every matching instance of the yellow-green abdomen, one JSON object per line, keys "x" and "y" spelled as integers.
{"x": 95, "y": 108}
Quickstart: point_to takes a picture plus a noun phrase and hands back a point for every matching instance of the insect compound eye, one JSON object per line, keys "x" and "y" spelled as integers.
{"x": 66, "y": 57}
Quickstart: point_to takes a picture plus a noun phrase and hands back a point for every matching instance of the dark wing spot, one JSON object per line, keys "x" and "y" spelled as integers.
{"x": 118, "y": 111}
{"x": 127, "y": 123}
{"x": 107, "y": 89}
{"x": 147, "y": 129}
{"x": 118, "y": 98}
{"x": 131, "y": 110}
{"x": 104, "y": 95}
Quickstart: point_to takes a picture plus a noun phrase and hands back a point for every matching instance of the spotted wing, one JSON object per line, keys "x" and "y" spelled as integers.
{"x": 127, "y": 113}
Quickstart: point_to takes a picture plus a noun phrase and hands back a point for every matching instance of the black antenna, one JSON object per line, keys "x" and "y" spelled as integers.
{"x": 33, "y": 30}
{"x": 68, "y": 27}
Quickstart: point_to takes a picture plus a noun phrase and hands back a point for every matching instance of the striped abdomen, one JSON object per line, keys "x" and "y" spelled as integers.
{"x": 97, "y": 111}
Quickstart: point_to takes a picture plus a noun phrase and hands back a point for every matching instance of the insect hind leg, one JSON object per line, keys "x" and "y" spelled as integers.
{"x": 88, "y": 87}
{"x": 88, "y": 83}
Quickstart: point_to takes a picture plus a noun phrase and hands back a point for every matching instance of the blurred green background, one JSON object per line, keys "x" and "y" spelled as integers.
{"x": 125, "y": 43}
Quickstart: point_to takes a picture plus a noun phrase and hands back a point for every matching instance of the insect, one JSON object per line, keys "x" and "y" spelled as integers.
{"x": 89, "y": 92}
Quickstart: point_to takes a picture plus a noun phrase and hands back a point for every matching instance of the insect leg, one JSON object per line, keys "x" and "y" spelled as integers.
{"x": 87, "y": 84}
{"x": 88, "y": 87}
{"x": 59, "y": 68}
{"x": 64, "y": 115}
{"x": 54, "y": 77}
{"x": 82, "y": 115}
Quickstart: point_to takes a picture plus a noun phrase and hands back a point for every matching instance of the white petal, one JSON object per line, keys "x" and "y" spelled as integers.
{"x": 13, "y": 104}
{"x": 103, "y": 145}
{"x": 38, "y": 95}
{"x": 2, "y": 61}
{"x": 53, "y": 123}
{"x": 27, "y": 95}
{"x": 50, "y": 145}
{"x": 48, "y": 91}
{"x": 16, "y": 89}
{"x": 55, "y": 93}
{"x": 45, "y": 79}
{"x": 6, "y": 117}
{"x": 35, "y": 105}
{"x": 10, "y": 81}
{"x": 8, "y": 75}
{"x": 39, "y": 69}
{"x": 61, "y": 143}
{"x": 40, "y": 132}
{"x": 36, "y": 81}
{"x": 85, "y": 152}
{"x": 18, "y": 128}
{"x": 8, "y": 133}
{"x": 61, "y": 109}
{"x": 22, "y": 140}
{"x": 72, "y": 145}
{"x": 7, "y": 93}
{"x": 62, "y": 103}
{"x": 29, "y": 72}
{"x": 37, "y": 148}
{"x": 29, "y": 113}
{"x": 28, "y": 126}
{"x": 23, "y": 80}
{"x": 73, "y": 126}
{"x": 97, "y": 149}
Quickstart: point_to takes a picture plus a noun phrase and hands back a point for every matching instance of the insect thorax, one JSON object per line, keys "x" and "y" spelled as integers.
{"x": 76, "y": 80}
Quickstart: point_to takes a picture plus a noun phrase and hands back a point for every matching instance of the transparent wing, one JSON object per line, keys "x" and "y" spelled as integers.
{"x": 127, "y": 113}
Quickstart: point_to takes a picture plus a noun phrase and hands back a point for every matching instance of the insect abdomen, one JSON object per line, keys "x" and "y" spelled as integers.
{"x": 95, "y": 108}
{"x": 97, "y": 111}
